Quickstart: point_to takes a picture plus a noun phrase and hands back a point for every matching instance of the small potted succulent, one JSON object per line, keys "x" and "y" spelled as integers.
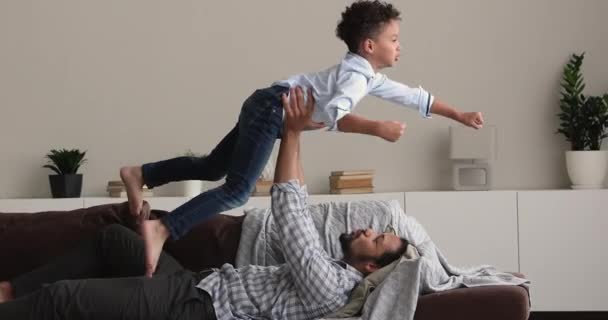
{"x": 584, "y": 124}
{"x": 66, "y": 183}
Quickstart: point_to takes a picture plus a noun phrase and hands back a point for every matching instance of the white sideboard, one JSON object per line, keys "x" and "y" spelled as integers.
{"x": 264, "y": 202}
{"x": 563, "y": 237}
{"x": 159, "y": 203}
{"x": 557, "y": 238}
{"x": 37, "y": 205}
{"x": 470, "y": 228}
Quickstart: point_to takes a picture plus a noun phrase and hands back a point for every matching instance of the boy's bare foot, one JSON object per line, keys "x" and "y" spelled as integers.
{"x": 134, "y": 182}
{"x": 155, "y": 234}
{"x": 6, "y": 291}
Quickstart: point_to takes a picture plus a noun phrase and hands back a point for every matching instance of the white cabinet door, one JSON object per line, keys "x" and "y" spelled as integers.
{"x": 563, "y": 239}
{"x": 38, "y": 205}
{"x": 470, "y": 227}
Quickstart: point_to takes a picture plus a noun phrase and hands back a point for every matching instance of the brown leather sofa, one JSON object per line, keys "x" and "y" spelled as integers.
{"x": 30, "y": 240}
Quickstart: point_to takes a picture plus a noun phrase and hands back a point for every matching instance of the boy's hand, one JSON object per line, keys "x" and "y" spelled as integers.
{"x": 472, "y": 119}
{"x": 297, "y": 113}
{"x": 391, "y": 130}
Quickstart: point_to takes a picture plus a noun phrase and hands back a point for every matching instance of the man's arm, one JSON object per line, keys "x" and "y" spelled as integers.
{"x": 319, "y": 281}
{"x": 287, "y": 167}
{"x": 288, "y": 162}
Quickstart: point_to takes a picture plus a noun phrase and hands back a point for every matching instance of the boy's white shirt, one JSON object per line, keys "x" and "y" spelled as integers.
{"x": 337, "y": 90}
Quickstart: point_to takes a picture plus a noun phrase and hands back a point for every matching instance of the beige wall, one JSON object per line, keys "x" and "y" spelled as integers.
{"x": 135, "y": 81}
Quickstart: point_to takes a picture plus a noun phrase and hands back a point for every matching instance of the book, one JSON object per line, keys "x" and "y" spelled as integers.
{"x": 352, "y": 177}
{"x": 262, "y": 188}
{"x": 338, "y": 182}
{"x": 115, "y": 183}
{"x": 352, "y": 190}
{"x": 123, "y": 194}
{"x": 353, "y": 172}
{"x": 264, "y": 182}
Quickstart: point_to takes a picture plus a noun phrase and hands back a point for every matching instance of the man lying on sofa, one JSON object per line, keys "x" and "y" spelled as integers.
{"x": 309, "y": 285}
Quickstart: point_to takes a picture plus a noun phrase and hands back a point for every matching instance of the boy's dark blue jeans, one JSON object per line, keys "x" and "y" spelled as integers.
{"x": 240, "y": 157}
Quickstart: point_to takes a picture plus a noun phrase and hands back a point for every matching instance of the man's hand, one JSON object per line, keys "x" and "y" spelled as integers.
{"x": 391, "y": 130}
{"x": 472, "y": 119}
{"x": 297, "y": 114}
{"x": 311, "y": 125}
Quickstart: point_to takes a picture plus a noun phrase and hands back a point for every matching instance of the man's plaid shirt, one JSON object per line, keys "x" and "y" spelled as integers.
{"x": 309, "y": 285}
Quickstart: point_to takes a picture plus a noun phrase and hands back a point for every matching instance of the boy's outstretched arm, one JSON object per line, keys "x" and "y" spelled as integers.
{"x": 471, "y": 119}
{"x": 297, "y": 117}
{"x": 393, "y": 130}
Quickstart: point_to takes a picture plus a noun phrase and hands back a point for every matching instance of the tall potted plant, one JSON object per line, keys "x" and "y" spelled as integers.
{"x": 66, "y": 183}
{"x": 584, "y": 123}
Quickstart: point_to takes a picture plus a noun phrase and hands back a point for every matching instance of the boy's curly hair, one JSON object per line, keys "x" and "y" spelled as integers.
{"x": 364, "y": 19}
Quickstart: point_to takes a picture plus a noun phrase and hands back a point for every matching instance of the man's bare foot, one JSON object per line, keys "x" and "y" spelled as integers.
{"x": 134, "y": 182}
{"x": 155, "y": 234}
{"x": 6, "y": 291}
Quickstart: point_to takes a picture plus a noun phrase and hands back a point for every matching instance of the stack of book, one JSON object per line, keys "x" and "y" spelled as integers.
{"x": 116, "y": 189}
{"x": 262, "y": 188}
{"x": 345, "y": 182}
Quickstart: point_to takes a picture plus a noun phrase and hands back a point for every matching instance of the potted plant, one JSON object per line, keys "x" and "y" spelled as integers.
{"x": 66, "y": 183}
{"x": 190, "y": 188}
{"x": 584, "y": 123}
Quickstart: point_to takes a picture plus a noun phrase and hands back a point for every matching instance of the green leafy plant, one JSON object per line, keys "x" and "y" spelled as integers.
{"x": 583, "y": 120}
{"x": 595, "y": 110}
{"x": 64, "y": 161}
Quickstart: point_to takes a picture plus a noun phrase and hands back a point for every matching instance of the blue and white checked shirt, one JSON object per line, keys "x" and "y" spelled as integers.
{"x": 338, "y": 89}
{"x": 309, "y": 285}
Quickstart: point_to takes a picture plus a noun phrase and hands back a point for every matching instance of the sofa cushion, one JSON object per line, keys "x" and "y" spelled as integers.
{"x": 29, "y": 240}
{"x": 208, "y": 245}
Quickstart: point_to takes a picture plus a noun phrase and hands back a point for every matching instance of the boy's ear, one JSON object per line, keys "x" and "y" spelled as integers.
{"x": 368, "y": 46}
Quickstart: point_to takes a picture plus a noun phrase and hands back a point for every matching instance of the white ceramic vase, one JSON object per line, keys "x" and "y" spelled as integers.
{"x": 190, "y": 188}
{"x": 587, "y": 169}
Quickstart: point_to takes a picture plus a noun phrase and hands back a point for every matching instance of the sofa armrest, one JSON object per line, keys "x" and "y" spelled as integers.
{"x": 478, "y": 303}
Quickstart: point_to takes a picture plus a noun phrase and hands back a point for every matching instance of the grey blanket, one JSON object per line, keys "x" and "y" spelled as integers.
{"x": 397, "y": 296}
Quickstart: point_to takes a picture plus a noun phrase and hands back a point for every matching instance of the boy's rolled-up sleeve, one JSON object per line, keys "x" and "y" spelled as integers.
{"x": 350, "y": 89}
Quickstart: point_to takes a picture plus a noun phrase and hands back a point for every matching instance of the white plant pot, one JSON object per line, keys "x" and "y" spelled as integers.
{"x": 190, "y": 188}
{"x": 587, "y": 169}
